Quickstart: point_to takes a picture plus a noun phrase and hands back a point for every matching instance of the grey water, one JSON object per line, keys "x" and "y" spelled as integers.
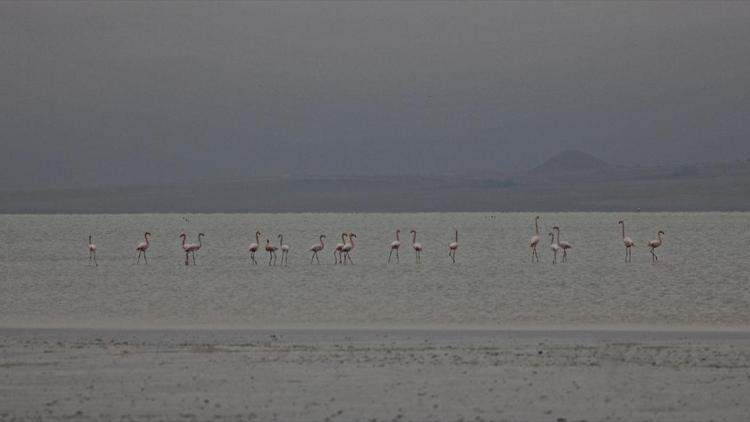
{"x": 701, "y": 279}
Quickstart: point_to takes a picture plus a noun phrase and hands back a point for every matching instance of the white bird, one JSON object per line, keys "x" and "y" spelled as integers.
{"x": 535, "y": 240}
{"x": 92, "y": 252}
{"x": 317, "y": 248}
{"x": 339, "y": 246}
{"x": 655, "y": 244}
{"x": 271, "y": 249}
{"x": 417, "y": 246}
{"x": 563, "y": 245}
{"x": 141, "y": 248}
{"x": 284, "y": 251}
{"x": 628, "y": 243}
{"x": 452, "y": 248}
{"x": 348, "y": 247}
{"x": 394, "y": 246}
{"x": 554, "y": 247}
{"x": 254, "y": 247}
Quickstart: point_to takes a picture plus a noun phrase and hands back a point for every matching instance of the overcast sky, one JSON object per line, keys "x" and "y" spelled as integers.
{"x": 95, "y": 94}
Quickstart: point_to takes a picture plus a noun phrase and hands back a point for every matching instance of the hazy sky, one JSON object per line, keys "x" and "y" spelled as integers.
{"x": 138, "y": 92}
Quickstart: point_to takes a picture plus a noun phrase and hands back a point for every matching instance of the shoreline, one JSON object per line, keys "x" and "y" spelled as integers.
{"x": 359, "y": 374}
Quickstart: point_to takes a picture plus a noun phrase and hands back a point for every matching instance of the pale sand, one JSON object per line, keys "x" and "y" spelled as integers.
{"x": 343, "y": 375}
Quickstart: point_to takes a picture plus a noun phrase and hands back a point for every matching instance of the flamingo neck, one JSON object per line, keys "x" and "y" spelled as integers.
{"x": 146, "y": 237}
{"x": 183, "y": 240}
{"x": 397, "y": 236}
{"x": 536, "y": 227}
{"x": 456, "y": 236}
{"x": 623, "y": 230}
{"x": 659, "y": 236}
{"x": 414, "y": 238}
{"x": 257, "y": 238}
{"x": 351, "y": 241}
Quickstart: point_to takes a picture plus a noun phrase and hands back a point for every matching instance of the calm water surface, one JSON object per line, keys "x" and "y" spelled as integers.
{"x": 701, "y": 280}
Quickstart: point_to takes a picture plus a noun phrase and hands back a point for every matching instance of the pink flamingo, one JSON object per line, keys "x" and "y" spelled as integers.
{"x": 141, "y": 248}
{"x": 453, "y": 247}
{"x": 535, "y": 240}
{"x": 563, "y": 245}
{"x": 628, "y": 243}
{"x": 394, "y": 246}
{"x": 348, "y": 247}
{"x": 339, "y": 247}
{"x": 655, "y": 244}
{"x": 317, "y": 248}
{"x": 271, "y": 249}
{"x": 554, "y": 247}
{"x": 92, "y": 252}
{"x": 284, "y": 251}
{"x": 417, "y": 246}
{"x": 191, "y": 248}
{"x": 254, "y": 247}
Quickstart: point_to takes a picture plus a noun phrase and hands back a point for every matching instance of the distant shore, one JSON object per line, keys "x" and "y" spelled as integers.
{"x": 374, "y": 374}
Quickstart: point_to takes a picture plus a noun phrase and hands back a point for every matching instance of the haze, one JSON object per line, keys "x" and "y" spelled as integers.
{"x": 110, "y": 94}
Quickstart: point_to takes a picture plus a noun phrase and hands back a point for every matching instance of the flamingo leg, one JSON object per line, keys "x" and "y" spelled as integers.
{"x": 137, "y": 261}
{"x": 389, "y": 256}
{"x": 95, "y": 263}
{"x": 193, "y": 257}
{"x": 335, "y": 258}
{"x": 350, "y": 258}
{"x": 187, "y": 256}
{"x": 144, "y": 258}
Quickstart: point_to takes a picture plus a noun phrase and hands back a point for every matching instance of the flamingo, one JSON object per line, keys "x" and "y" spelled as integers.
{"x": 563, "y": 245}
{"x": 535, "y": 240}
{"x": 655, "y": 244}
{"x": 417, "y": 246}
{"x": 92, "y": 252}
{"x": 141, "y": 248}
{"x": 554, "y": 247}
{"x": 628, "y": 243}
{"x": 191, "y": 248}
{"x": 271, "y": 249}
{"x": 284, "y": 251}
{"x": 348, "y": 248}
{"x": 317, "y": 248}
{"x": 339, "y": 246}
{"x": 394, "y": 246}
{"x": 254, "y": 247}
{"x": 453, "y": 247}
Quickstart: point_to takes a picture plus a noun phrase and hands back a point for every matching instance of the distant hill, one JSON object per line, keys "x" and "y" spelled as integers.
{"x": 571, "y": 160}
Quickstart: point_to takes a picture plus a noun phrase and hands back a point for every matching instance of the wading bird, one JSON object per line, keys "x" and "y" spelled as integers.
{"x": 141, "y": 248}
{"x": 554, "y": 247}
{"x": 563, "y": 245}
{"x": 254, "y": 248}
{"x": 339, "y": 247}
{"x": 191, "y": 248}
{"x": 317, "y": 248}
{"x": 394, "y": 246}
{"x": 452, "y": 248}
{"x": 655, "y": 244}
{"x": 347, "y": 249}
{"x": 284, "y": 251}
{"x": 627, "y": 241}
{"x": 92, "y": 252}
{"x": 535, "y": 240}
{"x": 271, "y": 249}
{"x": 417, "y": 246}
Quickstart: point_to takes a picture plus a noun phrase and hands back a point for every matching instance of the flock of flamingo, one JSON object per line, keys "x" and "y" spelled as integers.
{"x": 342, "y": 251}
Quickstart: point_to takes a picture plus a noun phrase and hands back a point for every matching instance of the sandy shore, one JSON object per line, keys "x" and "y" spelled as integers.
{"x": 368, "y": 375}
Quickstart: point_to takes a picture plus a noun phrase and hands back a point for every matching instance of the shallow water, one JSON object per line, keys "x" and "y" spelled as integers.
{"x": 701, "y": 279}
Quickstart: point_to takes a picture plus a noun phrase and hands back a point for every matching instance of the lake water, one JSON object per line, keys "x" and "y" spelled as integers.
{"x": 701, "y": 280}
